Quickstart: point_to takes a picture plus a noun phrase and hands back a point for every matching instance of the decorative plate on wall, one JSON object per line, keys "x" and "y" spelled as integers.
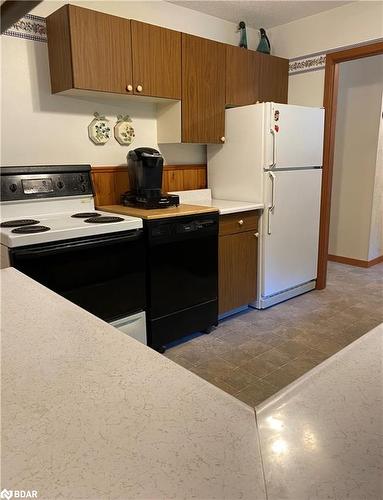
{"x": 123, "y": 130}
{"x": 99, "y": 130}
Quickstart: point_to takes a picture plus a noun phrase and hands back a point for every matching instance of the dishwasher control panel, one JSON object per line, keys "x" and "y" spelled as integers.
{"x": 194, "y": 225}
{"x": 181, "y": 226}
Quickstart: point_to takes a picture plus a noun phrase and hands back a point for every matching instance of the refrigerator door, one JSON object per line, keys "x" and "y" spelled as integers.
{"x": 235, "y": 168}
{"x": 290, "y": 230}
{"x": 294, "y": 136}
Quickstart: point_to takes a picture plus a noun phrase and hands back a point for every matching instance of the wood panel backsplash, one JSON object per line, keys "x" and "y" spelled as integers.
{"x": 109, "y": 183}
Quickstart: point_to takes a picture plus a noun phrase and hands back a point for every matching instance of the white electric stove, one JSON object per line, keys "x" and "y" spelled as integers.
{"x": 63, "y": 225}
{"x": 51, "y": 231}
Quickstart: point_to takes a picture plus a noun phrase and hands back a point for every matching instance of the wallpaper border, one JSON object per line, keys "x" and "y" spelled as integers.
{"x": 29, "y": 27}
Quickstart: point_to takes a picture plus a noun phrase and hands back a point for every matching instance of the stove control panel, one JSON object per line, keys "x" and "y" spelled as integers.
{"x": 24, "y": 185}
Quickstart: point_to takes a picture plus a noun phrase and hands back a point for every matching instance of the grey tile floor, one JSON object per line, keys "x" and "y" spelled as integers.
{"x": 256, "y": 353}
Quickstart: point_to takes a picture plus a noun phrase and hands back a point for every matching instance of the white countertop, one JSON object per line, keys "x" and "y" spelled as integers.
{"x": 203, "y": 197}
{"x": 88, "y": 412}
{"x": 322, "y": 437}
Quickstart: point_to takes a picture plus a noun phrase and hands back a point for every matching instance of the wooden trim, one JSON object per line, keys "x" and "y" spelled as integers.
{"x": 108, "y": 170}
{"x": 110, "y": 182}
{"x": 185, "y": 167}
{"x": 330, "y": 105}
{"x": 355, "y": 262}
{"x": 333, "y": 60}
{"x": 377, "y": 260}
{"x": 119, "y": 168}
{"x": 356, "y": 52}
{"x": 348, "y": 261}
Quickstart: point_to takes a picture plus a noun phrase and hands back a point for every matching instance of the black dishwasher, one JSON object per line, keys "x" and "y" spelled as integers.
{"x": 182, "y": 277}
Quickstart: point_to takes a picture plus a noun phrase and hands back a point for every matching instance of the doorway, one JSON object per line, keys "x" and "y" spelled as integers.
{"x": 356, "y": 211}
{"x": 333, "y": 61}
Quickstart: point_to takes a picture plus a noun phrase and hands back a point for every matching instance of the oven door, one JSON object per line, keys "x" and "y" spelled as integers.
{"x": 104, "y": 275}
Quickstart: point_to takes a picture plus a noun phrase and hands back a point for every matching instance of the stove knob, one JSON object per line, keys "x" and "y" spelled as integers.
{"x": 13, "y": 187}
{"x": 60, "y": 184}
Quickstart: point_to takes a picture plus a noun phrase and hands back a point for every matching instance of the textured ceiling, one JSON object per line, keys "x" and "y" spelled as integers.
{"x": 258, "y": 14}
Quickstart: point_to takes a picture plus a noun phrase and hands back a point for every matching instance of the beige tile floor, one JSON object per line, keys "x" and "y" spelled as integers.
{"x": 256, "y": 353}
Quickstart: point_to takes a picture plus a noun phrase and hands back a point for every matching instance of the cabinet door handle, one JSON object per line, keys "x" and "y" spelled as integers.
{"x": 240, "y": 222}
{"x": 223, "y": 139}
{"x": 256, "y": 235}
{"x": 139, "y": 88}
{"x": 129, "y": 88}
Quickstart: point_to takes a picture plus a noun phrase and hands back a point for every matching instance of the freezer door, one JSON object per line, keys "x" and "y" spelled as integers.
{"x": 294, "y": 136}
{"x": 290, "y": 230}
{"x": 235, "y": 168}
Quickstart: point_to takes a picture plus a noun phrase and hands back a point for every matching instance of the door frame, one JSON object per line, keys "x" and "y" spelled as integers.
{"x": 330, "y": 98}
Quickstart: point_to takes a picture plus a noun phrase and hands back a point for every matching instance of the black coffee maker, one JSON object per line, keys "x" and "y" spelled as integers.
{"x": 145, "y": 166}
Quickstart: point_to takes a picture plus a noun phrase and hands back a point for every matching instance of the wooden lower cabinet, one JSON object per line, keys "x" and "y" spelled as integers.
{"x": 237, "y": 272}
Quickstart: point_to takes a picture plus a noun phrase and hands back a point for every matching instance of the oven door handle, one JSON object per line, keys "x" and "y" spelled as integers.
{"x": 53, "y": 249}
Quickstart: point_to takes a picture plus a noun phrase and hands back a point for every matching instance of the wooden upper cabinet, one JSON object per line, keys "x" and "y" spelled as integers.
{"x": 242, "y": 76}
{"x": 156, "y": 56}
{"x": 89, "y": 50}
{"x": 252, "y": 76}
{"x": 203, "y": 90}
{"x": 274, "y": 78}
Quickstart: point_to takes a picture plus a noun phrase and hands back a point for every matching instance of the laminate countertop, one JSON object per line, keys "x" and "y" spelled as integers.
{"x": 321, "y": 437}
{"x": 88, "y": 412}
{"x": 203, "y": 197}
{"x": 160, "y": 213}
{"x": 226, "y": 207}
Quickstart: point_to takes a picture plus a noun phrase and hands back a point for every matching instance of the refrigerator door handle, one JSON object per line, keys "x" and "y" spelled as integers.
{"x": 274, "y": 161}
{"x": 272, "y": 206}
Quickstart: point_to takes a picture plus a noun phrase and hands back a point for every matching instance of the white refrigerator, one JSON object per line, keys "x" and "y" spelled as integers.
{"x": 273, "y": 154}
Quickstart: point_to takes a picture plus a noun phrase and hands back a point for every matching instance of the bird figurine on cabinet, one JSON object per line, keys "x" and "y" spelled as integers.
{"x": 264, "y": 43}
{"x": 243, "y": 36}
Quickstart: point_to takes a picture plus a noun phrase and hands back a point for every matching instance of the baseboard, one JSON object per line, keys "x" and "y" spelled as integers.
{"x": 377, "y": 260}
{"x": 355, "y": 262}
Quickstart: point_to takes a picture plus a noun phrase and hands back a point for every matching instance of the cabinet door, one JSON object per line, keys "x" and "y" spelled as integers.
{"x": 242, "y": 76}
{"x": 255, "y": 76}
{"x": 237, "y": 273}
{"x": 156, "y": 56}
{"x": 101, "y": 50}
{"x": 203, "y": 90}
{"x": 274, "y": 77}
{"x": 238, "y": 91}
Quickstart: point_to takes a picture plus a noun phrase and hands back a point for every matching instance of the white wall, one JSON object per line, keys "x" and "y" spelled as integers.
{"x": 350, "y": 24}
{"x": 161, "y": 13}
{"x": 376, "y": 231}
{"x": 355, "y": 159}
{"x": 38, "y": 127}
